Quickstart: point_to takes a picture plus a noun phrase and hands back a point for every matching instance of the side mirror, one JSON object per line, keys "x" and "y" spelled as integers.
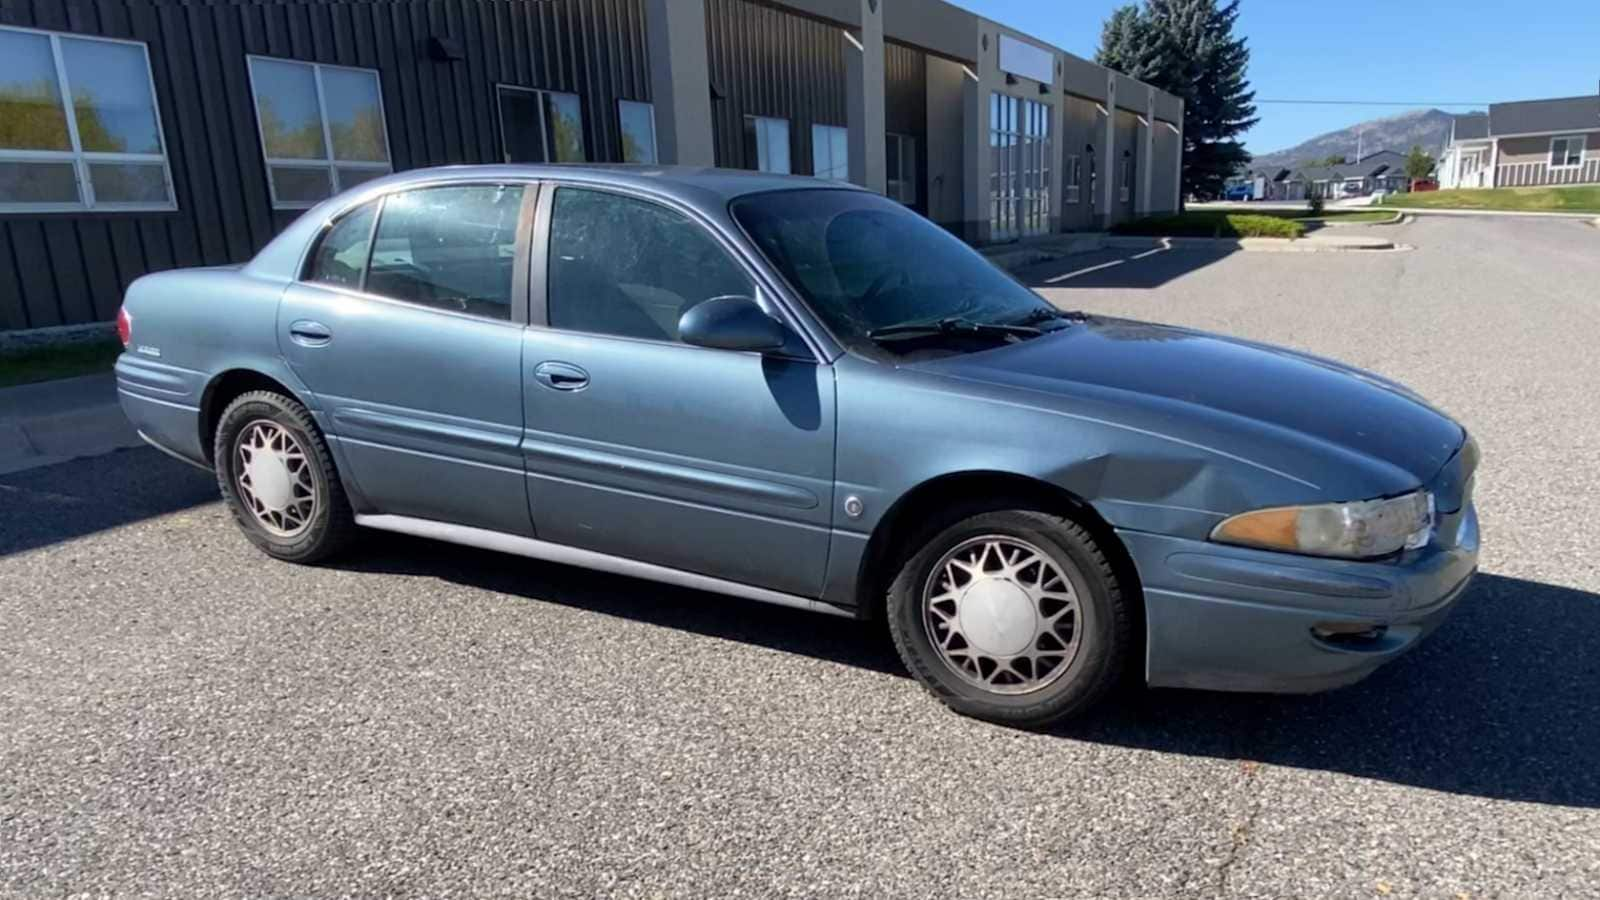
{"x": 730, "y": 323}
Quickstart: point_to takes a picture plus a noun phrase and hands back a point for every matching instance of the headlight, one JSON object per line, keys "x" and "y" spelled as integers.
{"x": 1357, "y": 530}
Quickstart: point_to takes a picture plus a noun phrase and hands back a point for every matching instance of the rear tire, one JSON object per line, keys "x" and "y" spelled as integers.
{"x": 278, "y": 479}
{"x": 1013, "y": 616}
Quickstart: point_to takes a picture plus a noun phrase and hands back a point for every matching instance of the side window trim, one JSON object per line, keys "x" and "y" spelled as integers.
{"x": 766, "y": 295}
{"x": 533, "y": 194}
{"x": 539, "y": 258}
{"x": 372, "y": 238}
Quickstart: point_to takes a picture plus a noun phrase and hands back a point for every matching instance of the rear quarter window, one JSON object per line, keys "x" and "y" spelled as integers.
{"x": 341, "y": 256}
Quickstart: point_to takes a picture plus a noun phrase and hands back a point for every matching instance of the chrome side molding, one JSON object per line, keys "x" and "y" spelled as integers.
{"x": 485, "y": 539}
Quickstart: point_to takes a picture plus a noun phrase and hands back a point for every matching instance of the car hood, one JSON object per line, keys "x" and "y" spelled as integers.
{"x": 1217, "y": 378}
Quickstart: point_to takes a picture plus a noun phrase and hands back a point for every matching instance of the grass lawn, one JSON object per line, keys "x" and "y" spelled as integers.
{"x": 1583, "y": 199}
{"x": 1278, "y": 223}
{"x": 32, "y": 364}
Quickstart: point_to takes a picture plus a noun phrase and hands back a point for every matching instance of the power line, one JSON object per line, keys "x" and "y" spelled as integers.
{"x": 1367, "y": 103}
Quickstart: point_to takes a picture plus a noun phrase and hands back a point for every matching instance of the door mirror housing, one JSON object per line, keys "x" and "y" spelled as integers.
{"x": 731, "y": 323}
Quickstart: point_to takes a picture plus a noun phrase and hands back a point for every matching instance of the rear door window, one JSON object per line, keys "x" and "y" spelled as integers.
{"x": 453, "y": 248}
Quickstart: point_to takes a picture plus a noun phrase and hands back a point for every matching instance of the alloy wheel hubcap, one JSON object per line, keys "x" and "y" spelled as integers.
{"x": 275, "y": 478}
{"x": 1002, "y": 615}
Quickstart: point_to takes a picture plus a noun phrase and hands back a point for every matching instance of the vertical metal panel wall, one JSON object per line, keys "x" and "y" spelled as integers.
{"x": 768, "y": 62}
{"x": 69, "y": 268}
{"x": 905, "y": 101}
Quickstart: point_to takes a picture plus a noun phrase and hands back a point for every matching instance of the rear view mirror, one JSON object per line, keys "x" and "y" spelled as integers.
{"x": 730, "y": 323}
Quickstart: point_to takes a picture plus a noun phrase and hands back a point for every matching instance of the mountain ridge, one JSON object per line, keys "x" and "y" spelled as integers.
{"x": 1428, "y": 128}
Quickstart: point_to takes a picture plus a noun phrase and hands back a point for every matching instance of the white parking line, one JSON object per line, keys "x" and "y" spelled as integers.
{"x": 1166, "y": 244}
{"x": 1114, "y": 262}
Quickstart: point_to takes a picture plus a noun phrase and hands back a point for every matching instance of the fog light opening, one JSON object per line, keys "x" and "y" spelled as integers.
{"x": 1349, "y": 634}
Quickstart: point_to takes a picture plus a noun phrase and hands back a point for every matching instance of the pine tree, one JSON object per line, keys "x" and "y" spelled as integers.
{"x": 1187, "y": 48}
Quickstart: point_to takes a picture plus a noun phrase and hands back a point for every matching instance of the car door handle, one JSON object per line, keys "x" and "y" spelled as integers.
{"x": 561, "y": 376}
{"x": 308, "y": 333}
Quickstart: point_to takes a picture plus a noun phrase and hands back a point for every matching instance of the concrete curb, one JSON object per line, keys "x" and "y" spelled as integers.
{"x": 1257, "y": 245}
{"x": 1399, "y": 217}
{"x": 57, "y": 335}
{"x": 1494, "y": 213}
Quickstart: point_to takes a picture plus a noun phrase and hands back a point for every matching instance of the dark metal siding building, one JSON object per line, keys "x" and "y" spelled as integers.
{"x": 141, "y": 135}
{"x": 771, "y": 63}
{"x": 71, "y": 267}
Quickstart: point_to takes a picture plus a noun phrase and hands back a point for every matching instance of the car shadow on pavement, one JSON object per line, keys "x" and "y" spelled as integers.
{"x": 1503, "y": 701}
{"x": 846, "y": 641}
{"x": 1120, "y": 268}
{"x": 51, "y": 504}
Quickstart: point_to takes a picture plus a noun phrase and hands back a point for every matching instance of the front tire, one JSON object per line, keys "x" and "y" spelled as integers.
{"x": 278, "y": 479}
{"x": 1012, "y": 616}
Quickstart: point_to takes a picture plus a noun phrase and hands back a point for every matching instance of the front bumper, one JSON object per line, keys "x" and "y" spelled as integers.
{"x": 1235, "y": 619}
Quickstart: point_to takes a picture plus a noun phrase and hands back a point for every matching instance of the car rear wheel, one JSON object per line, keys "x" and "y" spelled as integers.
{"x": 1014, "y": 616}
{"x": 278, "y": 479}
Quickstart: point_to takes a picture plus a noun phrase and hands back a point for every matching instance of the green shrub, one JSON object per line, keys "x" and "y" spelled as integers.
{"x": 1211, "y": 224}
{"x": 1314, "y": 201}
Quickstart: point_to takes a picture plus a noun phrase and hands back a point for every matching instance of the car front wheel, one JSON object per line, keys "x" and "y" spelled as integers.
{"x": 1014, "y": 616}
{"x": 278, "y": 479}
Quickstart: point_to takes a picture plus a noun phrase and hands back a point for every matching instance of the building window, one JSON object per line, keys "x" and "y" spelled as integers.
{"x": 638, "y": 121}
{"x": 900, "y": 162}
{"x": 1073, "y": 189}
{"x": 1125, "y": 183}
{"x": 1019, "y": 171}
{"x": 766, "y": 144}
{"x": 1567, "y": 152}
{"x": 79, "y": 125}
{"x": 322, "y": 128}
{"x": 830, "y": 152}
{"x": 543, "y": 126}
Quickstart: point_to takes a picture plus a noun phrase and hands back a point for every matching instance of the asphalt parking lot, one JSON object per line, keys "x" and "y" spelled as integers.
{"x": 180, "y": 716}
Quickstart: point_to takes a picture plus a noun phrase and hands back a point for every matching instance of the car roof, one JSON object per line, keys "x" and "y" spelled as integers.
{"x": 706, "y": 189}
{"x": 691, "y": 184}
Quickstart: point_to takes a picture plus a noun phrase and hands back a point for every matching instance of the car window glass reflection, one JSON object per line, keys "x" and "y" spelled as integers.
{"x": 631, "y": 268}
{"x": 449, "y": 247}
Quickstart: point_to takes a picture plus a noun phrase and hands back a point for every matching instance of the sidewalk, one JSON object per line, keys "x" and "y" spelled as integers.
{"x": 55, "y": 421}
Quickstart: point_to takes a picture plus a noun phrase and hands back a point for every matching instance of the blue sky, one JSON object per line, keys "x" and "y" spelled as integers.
{"x": 1435, "y": 51}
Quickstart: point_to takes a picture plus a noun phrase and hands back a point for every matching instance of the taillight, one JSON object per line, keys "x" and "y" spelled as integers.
{"x": 124, "y": 327}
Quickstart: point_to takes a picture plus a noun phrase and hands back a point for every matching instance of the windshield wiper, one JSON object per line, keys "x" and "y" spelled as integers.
{"x": 955, "y": 325}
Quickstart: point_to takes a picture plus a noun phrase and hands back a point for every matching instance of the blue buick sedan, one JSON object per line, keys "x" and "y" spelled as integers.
{"x": 799, "y": 392}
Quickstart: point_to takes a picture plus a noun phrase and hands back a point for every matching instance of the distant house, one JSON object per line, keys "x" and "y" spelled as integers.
{"x": 1529, "y": 143}
{"x": 1384, "y": 170}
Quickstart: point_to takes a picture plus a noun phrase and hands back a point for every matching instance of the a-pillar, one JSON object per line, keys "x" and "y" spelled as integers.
{"x": 680, "y": 81}
{"x": 863, "y": 88}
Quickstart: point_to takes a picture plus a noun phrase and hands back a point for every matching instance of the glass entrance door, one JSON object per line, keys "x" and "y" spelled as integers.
{"x": 1019, "y": 173}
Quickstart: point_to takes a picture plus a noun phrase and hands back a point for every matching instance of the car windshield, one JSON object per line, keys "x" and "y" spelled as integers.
{"x": 873, "y": 271}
